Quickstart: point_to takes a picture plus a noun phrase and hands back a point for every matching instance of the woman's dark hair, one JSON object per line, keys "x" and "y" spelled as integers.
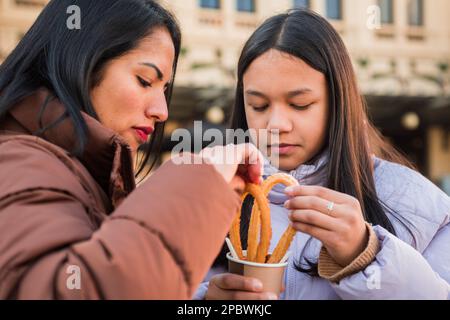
{"x": 69, "y": 63}
{"x": 351, "y": 137}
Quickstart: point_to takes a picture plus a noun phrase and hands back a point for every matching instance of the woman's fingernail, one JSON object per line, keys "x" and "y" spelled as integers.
{"x": 257, "y": 285}
{"x": 272, "y": 296}
{"x": 286, "y": 204}
{"x": 289, "y": 190}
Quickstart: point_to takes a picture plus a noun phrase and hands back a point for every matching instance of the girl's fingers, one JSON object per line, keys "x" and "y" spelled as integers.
{"x": 315, "y": 218}
{"x": 244, "y": 295}
{"x": 318, "y": 191}
{"x": 230, "y": 286}
{"x": 230, "y": 281}
{"x": 320, "y": 234}
{"x": 314, "y": 203}
{"x": 220, "y": 294}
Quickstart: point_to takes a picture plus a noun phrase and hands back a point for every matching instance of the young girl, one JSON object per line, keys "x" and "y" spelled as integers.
{"x": 368, "y": 226}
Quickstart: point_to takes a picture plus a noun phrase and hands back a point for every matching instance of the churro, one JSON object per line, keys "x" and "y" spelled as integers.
{"x": 260, "y": 223}
{"x": 266, "y": 228}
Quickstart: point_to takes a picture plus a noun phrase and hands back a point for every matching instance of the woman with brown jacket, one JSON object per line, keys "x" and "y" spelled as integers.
{"x": 75, "y": 105}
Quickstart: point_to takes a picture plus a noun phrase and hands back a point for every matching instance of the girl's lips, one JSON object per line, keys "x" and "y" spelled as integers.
{"x": 143, "y": 133}
{"x": 283, "y": 149}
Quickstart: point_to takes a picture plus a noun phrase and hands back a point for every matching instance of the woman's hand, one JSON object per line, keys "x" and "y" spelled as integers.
{"x": 229, "y": 286}
{"x": 332, "y": 217}
{"x": 238, "y": 164}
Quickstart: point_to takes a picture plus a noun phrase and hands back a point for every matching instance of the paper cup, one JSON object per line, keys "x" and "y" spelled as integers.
{"x": 270, "y": 274}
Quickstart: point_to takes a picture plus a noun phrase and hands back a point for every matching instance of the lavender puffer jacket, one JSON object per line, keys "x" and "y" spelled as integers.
{"x": 414, "y": 264}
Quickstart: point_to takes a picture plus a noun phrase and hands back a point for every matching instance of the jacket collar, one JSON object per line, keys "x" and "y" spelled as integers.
{"x": 106, "y": 156}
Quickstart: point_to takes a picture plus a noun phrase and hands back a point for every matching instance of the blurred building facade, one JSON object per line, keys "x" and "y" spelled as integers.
{"x": 16, "y": 17}
{"x": 400, "y": 50}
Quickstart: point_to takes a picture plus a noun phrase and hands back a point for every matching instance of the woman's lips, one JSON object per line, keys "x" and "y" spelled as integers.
{"x": 283, "y": 148}
{"x": 143, "y": 133}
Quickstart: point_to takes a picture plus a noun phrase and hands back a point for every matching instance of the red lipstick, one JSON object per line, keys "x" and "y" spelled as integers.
{"x": 143, "y": 132}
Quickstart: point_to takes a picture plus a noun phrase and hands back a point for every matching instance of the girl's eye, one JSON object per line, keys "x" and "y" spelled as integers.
{"x": 298, "y": 107}
{"x": 144, "y": 83}
{"x": 260, "y": 108}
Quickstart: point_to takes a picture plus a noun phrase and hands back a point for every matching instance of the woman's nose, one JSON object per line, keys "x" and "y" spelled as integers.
{"x": 157, "y": 108}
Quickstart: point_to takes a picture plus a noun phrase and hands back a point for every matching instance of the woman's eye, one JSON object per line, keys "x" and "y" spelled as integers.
{"x": 260, "y": 108}
{"x": 299, "y": 107}
{"x": 144, "y": 83}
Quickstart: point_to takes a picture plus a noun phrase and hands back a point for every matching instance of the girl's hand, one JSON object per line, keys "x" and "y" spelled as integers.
{"x": 332, "y": 217}
{"x": 229, "y": 286}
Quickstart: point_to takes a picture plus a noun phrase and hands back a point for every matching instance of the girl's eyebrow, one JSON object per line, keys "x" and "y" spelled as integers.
{"x": 298, "y": 92}
{"x": 289, "y": 94}
{"x": 256, "y": 93}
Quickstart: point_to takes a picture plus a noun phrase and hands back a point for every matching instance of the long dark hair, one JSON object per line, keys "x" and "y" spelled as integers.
{"x": 351, "y": 137}
{"x": 69, "y": 63}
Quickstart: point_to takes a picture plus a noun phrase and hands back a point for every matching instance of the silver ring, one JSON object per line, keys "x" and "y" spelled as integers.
{"x": 330, "y": 206}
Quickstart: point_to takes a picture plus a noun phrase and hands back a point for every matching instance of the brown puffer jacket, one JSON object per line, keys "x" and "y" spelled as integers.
{"x": 77, "y": 228}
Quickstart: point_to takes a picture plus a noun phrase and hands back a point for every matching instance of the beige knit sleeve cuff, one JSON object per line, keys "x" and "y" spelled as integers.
{"x": 332, "y": 271}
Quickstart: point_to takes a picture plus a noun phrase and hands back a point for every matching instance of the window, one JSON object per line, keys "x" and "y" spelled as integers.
{"x": 212, "y": 4}
{"x": 301, "y": 3}
{"x": 415, "y": 12}
{"x": 334, "y": 9}
{"x": 387, "y": 11}
{"x": 246, "y": 5}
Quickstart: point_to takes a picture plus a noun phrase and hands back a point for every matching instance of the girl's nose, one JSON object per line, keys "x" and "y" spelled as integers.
{"x": 279, "y": 120}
